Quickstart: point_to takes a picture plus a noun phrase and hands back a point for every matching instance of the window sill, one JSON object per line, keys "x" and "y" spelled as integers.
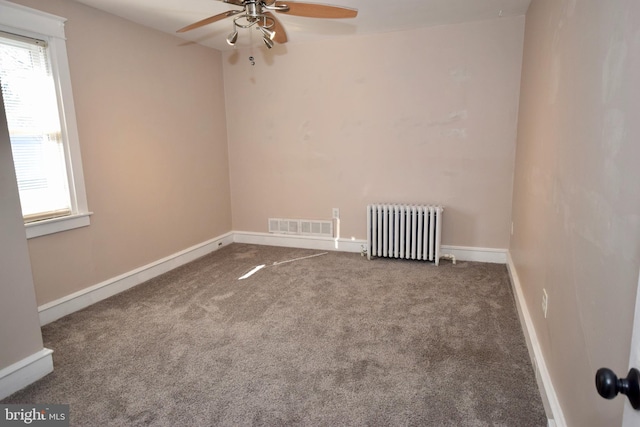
{"x": 55, "y": 225}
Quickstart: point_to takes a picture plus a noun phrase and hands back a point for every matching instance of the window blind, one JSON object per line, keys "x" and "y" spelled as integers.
{"x": 30, "y": 101}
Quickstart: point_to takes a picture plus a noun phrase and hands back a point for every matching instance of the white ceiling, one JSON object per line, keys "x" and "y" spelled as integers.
{"x": 374, "y": 16}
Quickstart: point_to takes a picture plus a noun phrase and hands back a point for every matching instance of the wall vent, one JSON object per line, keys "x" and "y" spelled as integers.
{"x": 303, "y": 227}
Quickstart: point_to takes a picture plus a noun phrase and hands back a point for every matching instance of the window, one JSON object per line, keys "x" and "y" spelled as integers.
{"x": 30, "y": 102}
{"x": 36, "y": 89}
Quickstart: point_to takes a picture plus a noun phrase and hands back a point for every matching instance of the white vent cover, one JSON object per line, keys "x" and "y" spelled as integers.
{"x": 301, "y": 226}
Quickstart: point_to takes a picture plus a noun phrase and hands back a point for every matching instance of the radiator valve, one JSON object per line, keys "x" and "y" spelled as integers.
{"x": 452, "y": 257}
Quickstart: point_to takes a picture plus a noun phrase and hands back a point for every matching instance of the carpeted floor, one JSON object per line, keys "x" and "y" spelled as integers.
{"x": 328, "y": 340}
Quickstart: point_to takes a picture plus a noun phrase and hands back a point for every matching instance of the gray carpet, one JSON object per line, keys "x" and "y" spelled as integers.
{"x": 329, "y": 340}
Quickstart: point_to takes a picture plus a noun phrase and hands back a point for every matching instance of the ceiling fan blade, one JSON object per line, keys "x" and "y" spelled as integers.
{"x": 314, "y": 10}
{"x": 209, "y": 20}
{"x": 236, "y": 2}
{"x": 281, "y": 35}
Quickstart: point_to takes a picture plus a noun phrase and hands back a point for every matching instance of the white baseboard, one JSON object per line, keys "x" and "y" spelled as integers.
{"x": 465, "y": 253}
{"x": 54, "y": 310}
{"x": 550, "y": 400}
{"x": 24, "y": 372}
{"x": 462, "y": 253}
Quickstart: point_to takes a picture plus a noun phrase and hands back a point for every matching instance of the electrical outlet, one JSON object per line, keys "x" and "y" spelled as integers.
{"x": 545, "y": 302}
{"x": 336, "y": 213}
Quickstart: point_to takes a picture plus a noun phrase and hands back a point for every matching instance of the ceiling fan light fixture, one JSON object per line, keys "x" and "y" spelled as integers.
{"x": 268, "y": 42}
{"x": 268, "y": 33}
{"x": 233, "y": 37}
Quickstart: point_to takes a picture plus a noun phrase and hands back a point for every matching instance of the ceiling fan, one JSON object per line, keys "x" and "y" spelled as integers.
{"x": 259, "y": 13}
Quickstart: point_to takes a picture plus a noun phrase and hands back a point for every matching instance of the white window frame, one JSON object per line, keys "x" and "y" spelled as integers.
{"x": 36, "y": 24}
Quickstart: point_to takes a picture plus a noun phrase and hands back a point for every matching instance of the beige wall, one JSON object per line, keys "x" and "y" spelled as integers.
{"x": 151, "y": 120}
{"x": 417, "y": 116}
{"x": 576, "y": 201}
{"x": 18, "y": 303}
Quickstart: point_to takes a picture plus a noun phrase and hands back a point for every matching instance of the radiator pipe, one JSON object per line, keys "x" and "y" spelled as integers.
{"x": 452, "y": 257}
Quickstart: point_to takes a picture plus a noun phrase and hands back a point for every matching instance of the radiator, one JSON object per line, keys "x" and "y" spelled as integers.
{"x": 404, "y": 231}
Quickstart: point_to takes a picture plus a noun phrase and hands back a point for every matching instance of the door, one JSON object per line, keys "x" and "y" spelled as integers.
{"x": 631, "y": 417}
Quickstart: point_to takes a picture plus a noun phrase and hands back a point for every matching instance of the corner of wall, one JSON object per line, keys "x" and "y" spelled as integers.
{"x": 548, "y": 394}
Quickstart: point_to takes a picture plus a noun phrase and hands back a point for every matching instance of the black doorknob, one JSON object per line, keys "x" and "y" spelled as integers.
{"x": 609, "y": 385}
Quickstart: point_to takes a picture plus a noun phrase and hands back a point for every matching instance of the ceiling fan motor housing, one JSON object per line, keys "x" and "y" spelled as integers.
{"x": 252, "y": 9}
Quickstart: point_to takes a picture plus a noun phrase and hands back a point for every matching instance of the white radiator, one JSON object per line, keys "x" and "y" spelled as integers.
{"x": 404, "y": 231}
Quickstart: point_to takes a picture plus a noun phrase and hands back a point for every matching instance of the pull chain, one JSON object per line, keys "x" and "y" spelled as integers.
{"x": 251, "y": 58}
